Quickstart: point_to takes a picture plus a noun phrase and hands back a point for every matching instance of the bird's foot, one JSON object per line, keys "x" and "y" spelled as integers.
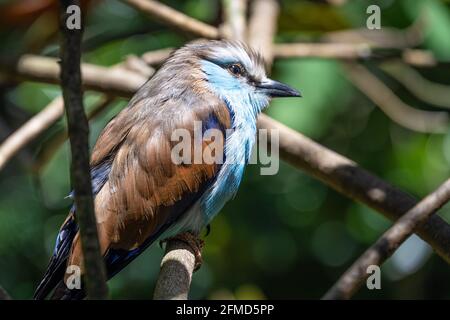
{"x": 194, "y": 242}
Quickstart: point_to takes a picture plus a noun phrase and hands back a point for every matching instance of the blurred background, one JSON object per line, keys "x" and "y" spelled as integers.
{"x": 284, "y": 236}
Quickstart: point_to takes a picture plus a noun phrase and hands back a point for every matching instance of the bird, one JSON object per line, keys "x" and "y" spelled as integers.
{"x": 141, "y": 195}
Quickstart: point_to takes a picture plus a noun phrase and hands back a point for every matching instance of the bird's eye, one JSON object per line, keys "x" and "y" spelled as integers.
{"x": 236, "y": 69}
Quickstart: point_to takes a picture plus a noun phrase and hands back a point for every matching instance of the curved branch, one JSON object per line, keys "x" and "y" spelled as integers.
{"x": 31, "y": 130}
{"x": 346, "y": 177}
{"x": 392, "y": 106}
{"x": 386, "y": 245}
{"x": 426, "y": 90}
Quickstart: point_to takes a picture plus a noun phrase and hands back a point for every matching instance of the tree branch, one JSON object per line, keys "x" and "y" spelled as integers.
{"x": 175, "y": 276}
{"x": 392, "y": 106}
{"x": 94, "y": 269}
{"x": 104, "y": 79}
{"x": 424, "y": 89}
{"x": 31, "y": 130}
{"x": 346, "y": 177}
{"x": 263, "y": 27}
{"x": 353, "y": 51}
{"x": 174, "y": 18}
{"x": 235, "y": 17}
{"x": 386, "y": 245}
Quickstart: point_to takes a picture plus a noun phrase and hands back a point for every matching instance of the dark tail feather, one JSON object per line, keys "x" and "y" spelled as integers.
{"x": 58, "y": 262}
{"x": 50, "y": 279}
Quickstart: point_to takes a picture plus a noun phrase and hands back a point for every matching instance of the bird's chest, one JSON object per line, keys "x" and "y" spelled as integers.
{"x": 238, "y": 147}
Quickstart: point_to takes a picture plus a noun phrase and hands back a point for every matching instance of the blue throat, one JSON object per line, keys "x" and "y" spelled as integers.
{"x": 244, "y": 105}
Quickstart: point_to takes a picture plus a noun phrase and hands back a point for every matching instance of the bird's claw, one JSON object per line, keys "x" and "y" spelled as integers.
{"x": 194, "y": 242}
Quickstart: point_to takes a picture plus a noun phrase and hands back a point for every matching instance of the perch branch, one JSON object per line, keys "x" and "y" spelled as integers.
{"x": 174, "y": 18}
{"x": 392, "y": 106}
{"x": 78, "y": 127}
{"x": 175, "y": 276}
{"x": 386, "y": 245}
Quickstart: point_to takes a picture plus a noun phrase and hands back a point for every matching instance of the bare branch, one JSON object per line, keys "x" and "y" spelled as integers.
{"x": 392, "y": 106}
{"x": 386, "y": 245}
{"x": 94, "y": 268}
{"x": 263, "y": 27}
{"x": 174, "y": 18}
{"x": 426, "y": 90}
{"x": 104, "y": 79}
{"x": 235, "y": 15}
{"x": 352, "y": 51}
{"x": 346, "y": 177}
{"x": 31, "y": 130}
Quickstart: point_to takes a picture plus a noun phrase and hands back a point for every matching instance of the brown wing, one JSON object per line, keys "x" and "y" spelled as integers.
{"x": 145, "y": 190}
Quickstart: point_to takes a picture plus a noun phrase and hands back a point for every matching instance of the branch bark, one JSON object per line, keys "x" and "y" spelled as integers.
{"x": 386, "y": 245}
{"x": 174, "y": 18}
{"x": 78, "y": 127}
{"x": 31, "y": 130}
{"x": 262, "y": 28}
{"x": 346, "y": 177}
{"x": 398, "y": 111}
{"x": 104, "y": 79}
{"x": 175, "y": 276}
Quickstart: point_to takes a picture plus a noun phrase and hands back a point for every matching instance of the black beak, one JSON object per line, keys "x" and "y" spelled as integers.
{"x": 274, "y": 88}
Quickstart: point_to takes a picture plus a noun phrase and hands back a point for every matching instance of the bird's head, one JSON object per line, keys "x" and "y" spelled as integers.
{"x": 229, "y": 69}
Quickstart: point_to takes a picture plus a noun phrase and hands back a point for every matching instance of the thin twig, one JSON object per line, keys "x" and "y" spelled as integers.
{"x": 31, "y": 130}
{"x": 424, "y": 89}
{"x": 352, "y": 51}
{"x": 403, "y": 114}
{"x": 174, "y": 18}
{"x": 386, "y": 245}
{"x": 94, "y": 268}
